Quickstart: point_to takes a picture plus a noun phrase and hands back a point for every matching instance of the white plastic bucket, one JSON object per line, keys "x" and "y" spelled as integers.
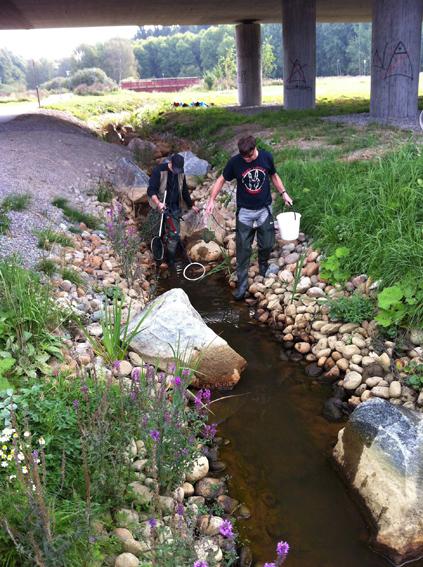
{"x": 289, "y": 225}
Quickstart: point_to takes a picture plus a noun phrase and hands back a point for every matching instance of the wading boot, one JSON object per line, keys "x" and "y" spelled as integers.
{"x": 263, "y": 268}
{"x": 242, "y": 286}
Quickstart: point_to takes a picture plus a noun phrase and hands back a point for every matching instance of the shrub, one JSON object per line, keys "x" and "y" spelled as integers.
{"x": 355, "y": 308}
{"x": 74, "y": 214}
{"x": 47, "y": 237}
{"x": 88, "y": 76}
{"x": 95, "y": 89}
{"x": 125, "y": 240}
{"x": 57, "y": 84}
{"x": 104, "y": 191}
{"x": 16, "y": 202}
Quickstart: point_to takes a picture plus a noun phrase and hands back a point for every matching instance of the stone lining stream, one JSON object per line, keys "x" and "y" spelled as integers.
{"x": 278, "y": 459}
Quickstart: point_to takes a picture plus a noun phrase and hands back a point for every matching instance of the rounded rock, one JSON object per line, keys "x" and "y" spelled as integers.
{"x": 352, "y": 380}
{"x": 199, "y": 470}
{"x": 126, "y": 560}
{"x": 395, "y": 389}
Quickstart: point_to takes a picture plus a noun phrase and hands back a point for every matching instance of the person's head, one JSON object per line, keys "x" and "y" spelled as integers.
{"x": 247, "y": 147}
{"x": 176, "y": 164}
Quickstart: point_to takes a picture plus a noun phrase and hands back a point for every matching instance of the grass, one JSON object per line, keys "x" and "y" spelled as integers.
{"x": 104, "y": 191}
{"x": 75, "y": 215}
{"x": 73, "y": 276}
{"x": 48, "y": 267}
{"x": 4, "y": 221}
{"x": 47, "y": 237}
{"x": 16, "y": 202}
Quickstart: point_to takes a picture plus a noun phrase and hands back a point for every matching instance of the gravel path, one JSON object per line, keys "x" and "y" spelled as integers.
{"x": 48, "y": 155}
{"x": 364, "y": 119}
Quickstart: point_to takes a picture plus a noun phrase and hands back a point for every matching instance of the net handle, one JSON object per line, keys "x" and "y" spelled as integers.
{"x": 161, "y": 220}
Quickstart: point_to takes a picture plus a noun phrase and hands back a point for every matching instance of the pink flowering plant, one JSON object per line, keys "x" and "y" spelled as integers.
{"x": 125, "y": 240}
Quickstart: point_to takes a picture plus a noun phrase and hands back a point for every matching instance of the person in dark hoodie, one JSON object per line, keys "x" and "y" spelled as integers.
{"x": 169, "y": 177}
{"x": 253, "y": 170}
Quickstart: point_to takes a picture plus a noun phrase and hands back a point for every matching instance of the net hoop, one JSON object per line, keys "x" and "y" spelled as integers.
{"x": 203, "y": 273}
{"x": 155, "y": 256}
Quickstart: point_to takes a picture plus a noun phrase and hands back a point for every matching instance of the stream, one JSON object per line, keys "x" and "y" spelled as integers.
{"x": 278, "y": 460}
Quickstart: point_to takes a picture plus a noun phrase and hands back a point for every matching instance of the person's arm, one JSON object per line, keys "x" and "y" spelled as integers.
{"x": 277, "y": 182}
{"x": 153, "y": 189}
{"x": 217, "y": 187}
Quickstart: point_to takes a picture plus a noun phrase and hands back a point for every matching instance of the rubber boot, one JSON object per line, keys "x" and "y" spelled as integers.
{"x": 242, "y": 286}
{"x": 263, "y": 268}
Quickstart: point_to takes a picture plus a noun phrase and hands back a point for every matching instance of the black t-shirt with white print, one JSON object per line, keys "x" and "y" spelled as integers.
{"x": 253, "y": 183}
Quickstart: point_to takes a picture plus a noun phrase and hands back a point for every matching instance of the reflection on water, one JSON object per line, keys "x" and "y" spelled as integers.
{"x": 278, "y": 458}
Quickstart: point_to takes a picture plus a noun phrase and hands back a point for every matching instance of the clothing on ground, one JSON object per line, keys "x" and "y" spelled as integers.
{"x": 253, "y": 179}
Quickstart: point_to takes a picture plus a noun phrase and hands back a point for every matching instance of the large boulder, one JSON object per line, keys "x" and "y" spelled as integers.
{"x": 380, "y": 451}
{"x": 205, "y": 252}
{"x": 194, "y": 165}
{"x": 129, "y": 175}
{"x": 173, "y": 323}
{"x": 196, "y": 227}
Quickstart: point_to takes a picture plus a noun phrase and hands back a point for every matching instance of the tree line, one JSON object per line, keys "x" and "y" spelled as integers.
{"x": 204, "y": 51}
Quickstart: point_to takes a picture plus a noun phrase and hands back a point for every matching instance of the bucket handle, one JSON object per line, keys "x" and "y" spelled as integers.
{"x": 292, "y": 210}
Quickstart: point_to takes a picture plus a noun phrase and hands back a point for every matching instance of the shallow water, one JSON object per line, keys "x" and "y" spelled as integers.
{"x": 278, "y": 459}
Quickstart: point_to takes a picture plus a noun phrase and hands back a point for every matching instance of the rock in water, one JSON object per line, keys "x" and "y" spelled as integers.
{"x": 172, "y": 322}
{"x": 380, "y": 451}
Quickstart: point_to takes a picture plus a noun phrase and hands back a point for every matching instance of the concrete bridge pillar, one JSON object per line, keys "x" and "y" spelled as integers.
{"x": 396, "y": 36}
{"x": 248, "y": 55}
{"x": 299, "y": 54}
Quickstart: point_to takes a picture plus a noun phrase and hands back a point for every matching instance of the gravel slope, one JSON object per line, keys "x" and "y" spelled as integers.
{"x": 48, "y": 155}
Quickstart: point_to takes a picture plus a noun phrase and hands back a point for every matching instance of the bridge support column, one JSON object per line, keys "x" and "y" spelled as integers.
{"x": 396, "y": 36}
{"x": 248, "y": 52}
{"x": 299, "y": 54}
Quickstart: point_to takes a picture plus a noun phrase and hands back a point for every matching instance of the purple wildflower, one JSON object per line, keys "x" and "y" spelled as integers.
{"x": 152, "y": 522}
{"x": 180, "y": 509}
{"x": 270, "y": 565}
{"x": 150, "y": 372}
{"x": 171, "y": 367}
{"x": 75, "y": 404}
{"x": 35, "y": 454}
{"x": 177, "y": 381}
{"x": 160, "y": 377}
{"x": 133, "y": 395}
{"x": 167, "y": 417}
{"x": 210, "y": 431}
{"x": 84, "y": 389}
{"x": 186, "y": 372}
{"x": 226, "y": 529}
{"x": 201, "y": 564}
{"x": 135, "y": 374}
{"x": 206, "y": 395}
{"x": 116, "y": 365}
{"x": 144, "y": 421}
{"x": 282, "y": 548}
{"x": 155, "y": 435}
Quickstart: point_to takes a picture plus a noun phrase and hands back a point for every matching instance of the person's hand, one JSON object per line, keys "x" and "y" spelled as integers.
{"x": 287, "y": 199}
{"x": 195, "y": 209}
{"x": 161, "y": 207}
{"x": 209, "y": 207}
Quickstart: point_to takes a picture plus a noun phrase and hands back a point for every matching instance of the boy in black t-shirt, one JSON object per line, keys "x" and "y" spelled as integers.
{"x": 253, "y": 169}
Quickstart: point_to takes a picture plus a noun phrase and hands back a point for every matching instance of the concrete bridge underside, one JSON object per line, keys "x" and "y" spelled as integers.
{"x": 396, "y": 38}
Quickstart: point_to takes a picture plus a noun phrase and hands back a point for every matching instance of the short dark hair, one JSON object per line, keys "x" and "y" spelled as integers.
{"x": 177, "y": 162}
{"x": 246, "y": 145}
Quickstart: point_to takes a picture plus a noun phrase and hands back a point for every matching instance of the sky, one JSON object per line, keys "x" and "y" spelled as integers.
{"x": 58, "y": 43}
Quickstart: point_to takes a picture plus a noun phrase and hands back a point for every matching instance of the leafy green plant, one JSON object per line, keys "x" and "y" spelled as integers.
{"x": 224, "y": 266}
{"x": 28, "y": 320}
{"x": 47, "y": 237}
{"x": 355, "y": 308}
{"x": 4, "y": 221}
{"x": 297, "y": 274}
{"x": 333, "y": 267}
{"x": 125, "y": 241}
{"x": 401, "y": 303}
{"x": 6, "y": 364}
{"x": 415, "y": 372}
{"x": 74, "y": 214}
{"x": 116, "y": 337}
{"x": 16, "y": 202}
{"x": 47, "y": 266}
{"x": 104, "y": 191}
{"x": 73, "y": 276}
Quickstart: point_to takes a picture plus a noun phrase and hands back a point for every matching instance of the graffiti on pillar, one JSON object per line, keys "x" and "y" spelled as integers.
{"x": 395, "y": 61}
{"x": 296, "y": 78}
